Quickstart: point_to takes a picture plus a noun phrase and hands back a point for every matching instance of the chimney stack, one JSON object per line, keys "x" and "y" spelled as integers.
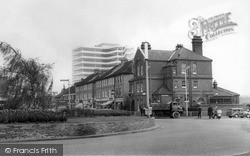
{"x": 197, "y": 45}
{"x": 178, "y": 46}
{"x": 215, "y": 84}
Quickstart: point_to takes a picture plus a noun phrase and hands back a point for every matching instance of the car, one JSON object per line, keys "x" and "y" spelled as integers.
{"x": 245, "y": 114}
{"x": 234, "y": 112}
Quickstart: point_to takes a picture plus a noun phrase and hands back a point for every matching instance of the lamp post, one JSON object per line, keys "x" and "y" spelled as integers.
{"x": 186, "y": 101}
{"x": 146, "y": 46}
{"x": 68, "y": 87}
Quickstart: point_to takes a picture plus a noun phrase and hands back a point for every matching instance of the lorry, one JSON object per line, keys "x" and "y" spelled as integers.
{"x": 171, "y": 109}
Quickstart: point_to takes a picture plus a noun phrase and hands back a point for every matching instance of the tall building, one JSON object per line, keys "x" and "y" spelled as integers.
{"x": 102, "y": 56}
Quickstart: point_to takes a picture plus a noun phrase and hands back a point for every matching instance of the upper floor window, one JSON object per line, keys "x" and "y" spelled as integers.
{"x": 174, "y": 70}
{"x": 183, "y": 68}
{"x": 141, "y": 69}
{"x": 194, "y": 68}
{"x": 141, "y": 87}
{"x": 138, "y": 87}
{"x": 195, "y": 84}
{"x": 175, "y": 84}
{"x": 132, "y": 88}
{"x": 183, "y": 84}
{"x": 138, "y": 70}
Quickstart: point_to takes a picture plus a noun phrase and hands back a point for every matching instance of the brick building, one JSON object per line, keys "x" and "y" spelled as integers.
{"x": 107, "y": 89}
{"x": 62, "y": 99}
{"x": 172, "y": 74}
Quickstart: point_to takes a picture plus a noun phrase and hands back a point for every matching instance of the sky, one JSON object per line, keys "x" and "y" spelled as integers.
{"x": 51, "y": 29}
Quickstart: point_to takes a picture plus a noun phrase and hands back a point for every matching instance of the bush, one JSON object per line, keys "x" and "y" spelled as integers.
{"x": 88, "y": 112}
{"x": 23, "y": 116}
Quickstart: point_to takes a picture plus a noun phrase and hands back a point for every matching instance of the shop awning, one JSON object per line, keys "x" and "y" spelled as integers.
{"x": 106, "y": 103}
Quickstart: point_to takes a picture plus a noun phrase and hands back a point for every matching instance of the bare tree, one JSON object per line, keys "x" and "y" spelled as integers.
{"x": 29, "y": 83}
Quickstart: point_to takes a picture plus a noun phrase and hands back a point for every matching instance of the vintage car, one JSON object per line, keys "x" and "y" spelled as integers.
{"x": 245, "y": 114}
{"x": 234, "y": 112}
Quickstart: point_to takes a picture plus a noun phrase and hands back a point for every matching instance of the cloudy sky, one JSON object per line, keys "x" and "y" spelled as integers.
{"x": 51, "y": 29}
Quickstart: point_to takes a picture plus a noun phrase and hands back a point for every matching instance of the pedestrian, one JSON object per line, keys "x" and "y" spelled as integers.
{"x": 199, "y": 111}
{"x": 215, "y": 111}
{"x": 210, "y": 112}
{"x": 141, "y": 110}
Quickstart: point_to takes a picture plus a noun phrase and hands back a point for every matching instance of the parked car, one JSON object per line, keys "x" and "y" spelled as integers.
{"x": 245, "y": 114}
{"x": 234, "y": 112}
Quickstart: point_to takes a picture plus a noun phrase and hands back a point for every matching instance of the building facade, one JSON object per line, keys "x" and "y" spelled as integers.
{"x": 62, "y": 99}
{"x": 181, "y": 75}
{"x": 107, "y": 89}
{"x": 103, "y": 57}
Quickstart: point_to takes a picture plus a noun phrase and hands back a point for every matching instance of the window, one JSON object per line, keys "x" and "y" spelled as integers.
{"x": 183, "y": 84}
{"x": 174, "y": 70}
{"x": 138, "y": 70}
{"x": 194, "y": 68}
{"x": 138, "y": 87}
{"x": 110, "y": 93}
{"x": 175, "y": 84}
{"x": 141, "y": 69}
{"x": 103, "y": 94}
{"x": 141, "y": 87}
{"x": 131, "y": 88}
{"x": 183, "y": 68}
{"x": 195, "y": 84}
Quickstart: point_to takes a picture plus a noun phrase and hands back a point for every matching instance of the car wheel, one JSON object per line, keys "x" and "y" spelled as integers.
{"x": 176, "y": 114}
{"x": 236, "y": 115}
{"x": 230, "y": 117}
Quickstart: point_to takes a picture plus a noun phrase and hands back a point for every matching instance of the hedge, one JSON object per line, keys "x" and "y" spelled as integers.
{"x": 31, "y": 115}
{"x": 88, "y": 112}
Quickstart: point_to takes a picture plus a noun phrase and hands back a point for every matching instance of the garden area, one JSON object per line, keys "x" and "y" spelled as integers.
{"x": 21, "y": 125}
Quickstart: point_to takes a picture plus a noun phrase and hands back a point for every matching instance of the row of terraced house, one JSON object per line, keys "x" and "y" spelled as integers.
{"x": 124, "y": 86}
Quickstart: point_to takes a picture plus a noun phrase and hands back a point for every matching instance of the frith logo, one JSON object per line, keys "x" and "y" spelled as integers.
{"x": 212, "y": 27}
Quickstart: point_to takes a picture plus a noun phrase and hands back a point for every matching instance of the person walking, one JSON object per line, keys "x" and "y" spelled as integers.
{"x": 210, "y": 112}
{"x": 199, "y": 110}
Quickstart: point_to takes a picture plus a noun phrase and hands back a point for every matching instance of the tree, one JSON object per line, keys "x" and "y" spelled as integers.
{"x": 29, "y": 83}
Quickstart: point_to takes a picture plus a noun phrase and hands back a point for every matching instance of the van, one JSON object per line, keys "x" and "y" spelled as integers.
{"x": 234, "y": 112}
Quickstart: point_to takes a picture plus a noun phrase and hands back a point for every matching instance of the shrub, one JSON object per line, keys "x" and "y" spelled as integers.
{"x": 12, "y": 116}
{"x": 88, "y": 112}
{"x": 86, "y": 130}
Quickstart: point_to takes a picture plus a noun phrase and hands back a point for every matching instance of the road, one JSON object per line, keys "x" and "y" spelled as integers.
{"x": 174, "y": 137}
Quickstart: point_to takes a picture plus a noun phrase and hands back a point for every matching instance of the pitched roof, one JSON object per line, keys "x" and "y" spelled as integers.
{"x": 123, "y": 68}
{"x": 162, "y": 90}
{"x": 88, "y": 79}
{"x": 66, "y": 91}
{"x": 224, "y": 92}
{"x": 159, "y": 54}
{"x": 184, "y": 53}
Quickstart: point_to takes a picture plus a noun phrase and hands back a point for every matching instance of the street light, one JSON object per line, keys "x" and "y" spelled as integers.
{"x": 186, "y": 101}
{"x": 68, "y": 87}
{"x": 146, "y": 46}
